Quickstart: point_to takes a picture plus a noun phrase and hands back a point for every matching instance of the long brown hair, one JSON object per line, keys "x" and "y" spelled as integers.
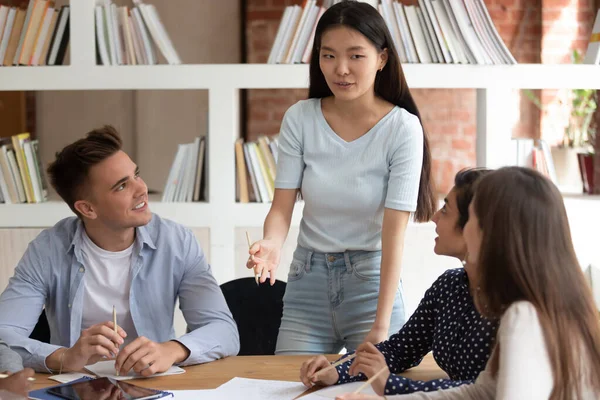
{"x": 390, "y": 83}
{"x": 527, "y": 254}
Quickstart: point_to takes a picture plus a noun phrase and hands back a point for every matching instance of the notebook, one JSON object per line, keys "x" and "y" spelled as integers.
{"x": 107, "y": 369}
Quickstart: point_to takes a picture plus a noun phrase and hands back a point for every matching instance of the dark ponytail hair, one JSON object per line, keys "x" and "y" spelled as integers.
{"x": 390, "y": 83}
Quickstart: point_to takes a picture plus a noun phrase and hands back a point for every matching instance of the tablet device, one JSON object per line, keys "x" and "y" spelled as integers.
{"x": 104, "y": 389}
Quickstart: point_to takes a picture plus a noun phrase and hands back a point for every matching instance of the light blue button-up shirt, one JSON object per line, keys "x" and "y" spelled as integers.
{"x": 167, "y": 263}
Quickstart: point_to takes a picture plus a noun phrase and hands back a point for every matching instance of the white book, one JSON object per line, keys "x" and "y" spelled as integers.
{"x": 251, "y": 173}
{"x": 485, "y": 39}
{"x": 146, "y": 41}
{"x": 592, "y": 55}
{"x": 61, "y": 27}
{"x": 8, "y": 177}
{"x": 112, "y": 40}
{"x": 387, "y": 12}
{"x": 417, "y": 34}
{"x": 311, "y": 22}
{"x": 7, "y": 32}
{"x": 432, "y": 35}
{"x": 127, "y": 35}
{"x": 407, "y": 40}
{"x": 549, "y": 161}
{"x": 260, "y": 179}
{"x": 467, "y": 30}
{"x": 195, "y": 149}
{"x": 32, "y": 168}
{"x": 24, "y": 32}
{"x": 153, "y": 30}
{"x": 491, "y": 28}
{"x": 289, "y": 34}
{"x": 4, "y": 10}
{"x": 42, "y": 35}
{"x": 309, "y": 45}
{"x": 438, "y": 32}
{"x": 118, "y": 34}
{"x": 16, "y": 173}
{"x": 4, "y": 194}
{"x": 173, "y": 56}
{"x": 101, "y": 36}
{"x": 180, "y": 177}
{"x": 428, "y": 38}
{"x": 464, "y": 48}
{"x": 169, "y": 191}
{"x": 279, "y": 36}
{"x": 298, "y": 33}
{"x": 136, "y": 38}
{"x": 453, "y": 46}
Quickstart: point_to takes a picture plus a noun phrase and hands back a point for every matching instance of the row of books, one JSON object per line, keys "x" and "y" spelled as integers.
{"x": 36, "y": 36}
{"x": 430, "y": 31}
{"x": 22, "y": 177}
{"x": 129, "y": 37}
{"x": 255, "y": 168}
{"x": 186, "y": 180}
{"x": 536, "y": 154}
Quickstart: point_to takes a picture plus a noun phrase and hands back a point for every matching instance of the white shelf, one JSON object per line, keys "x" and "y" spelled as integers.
{"x": 189, "y": 214}
{"x": 269, "y": 76}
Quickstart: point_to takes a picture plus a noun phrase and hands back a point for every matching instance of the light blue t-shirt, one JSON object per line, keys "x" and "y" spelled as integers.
{"x": 346, "y": 185}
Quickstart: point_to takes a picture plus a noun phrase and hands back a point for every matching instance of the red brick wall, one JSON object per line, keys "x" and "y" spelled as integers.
{"x": 448, "y": 115}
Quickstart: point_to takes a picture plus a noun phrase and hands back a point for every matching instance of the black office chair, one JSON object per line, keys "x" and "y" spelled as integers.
{"x": 257, "y": 312}
{"x": 41, "y": 331}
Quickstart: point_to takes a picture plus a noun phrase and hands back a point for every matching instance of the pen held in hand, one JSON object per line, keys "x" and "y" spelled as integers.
{"x": 256, "y": 275}
{"x": 371, "y": 380}
{"x": 115, "y": 325}
{"x": 2, "y": 376}
{"x": 335, "y": 364}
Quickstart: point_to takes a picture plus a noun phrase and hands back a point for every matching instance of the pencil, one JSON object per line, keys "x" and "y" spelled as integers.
{"x": 2, "y": 376}
{"x": 367, "y": 383}
{"x": 256, "y": 275}
{"x": 335, "y": 364}
{"x": 115, "y": 324}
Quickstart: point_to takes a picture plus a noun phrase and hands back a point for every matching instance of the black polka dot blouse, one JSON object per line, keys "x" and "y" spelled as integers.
{"x": 446, "y": 323}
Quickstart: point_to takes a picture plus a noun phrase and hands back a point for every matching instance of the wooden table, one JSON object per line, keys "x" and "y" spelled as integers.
{"x": 214, "y": 374}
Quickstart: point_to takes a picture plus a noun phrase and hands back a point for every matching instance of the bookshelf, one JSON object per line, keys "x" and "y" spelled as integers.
{"x": 221, "y": 214}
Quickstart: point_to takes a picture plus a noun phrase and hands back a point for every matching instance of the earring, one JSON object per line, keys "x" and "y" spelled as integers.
{"x": 464, "y": 262}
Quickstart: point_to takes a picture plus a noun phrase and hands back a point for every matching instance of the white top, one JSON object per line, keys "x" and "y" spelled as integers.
{"x": 107, "y": 282}
{"x": 346, "y": 185}
{"x": 524, "y": 371}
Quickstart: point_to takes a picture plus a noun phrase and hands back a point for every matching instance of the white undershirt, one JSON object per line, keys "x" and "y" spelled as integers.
{"x": 107, "y": 282}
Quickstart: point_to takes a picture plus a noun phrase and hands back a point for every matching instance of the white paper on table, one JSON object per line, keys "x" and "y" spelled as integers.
{"x": 332, "y": 391}
{"x": 107, "y": 369}
{"x": 69, "y": 377}
{"x": 210, "y": 394}
{"x": 244, "y": 388}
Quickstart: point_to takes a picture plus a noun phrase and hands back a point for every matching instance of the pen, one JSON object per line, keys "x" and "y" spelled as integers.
{"x": 367, "y": 383}
{"x": 256, "y": 275}
{"x": 115, "y": 324}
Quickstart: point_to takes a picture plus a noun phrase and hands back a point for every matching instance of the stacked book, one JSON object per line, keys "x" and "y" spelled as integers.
{"x": 429, "y": 31}
{"x": 22, "y": 178}
{"x": 255, "y": 168}
{"x": 38, "y": 35}
{"x": 535, "y": 154}
{"x": 186, "y": 179}
{"x": 129, "y": 36}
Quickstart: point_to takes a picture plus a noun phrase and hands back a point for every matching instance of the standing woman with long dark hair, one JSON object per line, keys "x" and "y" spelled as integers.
{"x": 357, "y": 152}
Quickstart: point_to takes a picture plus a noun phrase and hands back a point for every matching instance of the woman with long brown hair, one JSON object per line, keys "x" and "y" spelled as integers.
{"x": 527, "y": 274}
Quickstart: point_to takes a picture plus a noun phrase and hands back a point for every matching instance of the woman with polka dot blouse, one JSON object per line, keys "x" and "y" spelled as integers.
{"x": 446, "y": 321}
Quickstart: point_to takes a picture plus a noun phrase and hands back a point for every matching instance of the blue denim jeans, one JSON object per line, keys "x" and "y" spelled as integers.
{"x": 330, "y": 302}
